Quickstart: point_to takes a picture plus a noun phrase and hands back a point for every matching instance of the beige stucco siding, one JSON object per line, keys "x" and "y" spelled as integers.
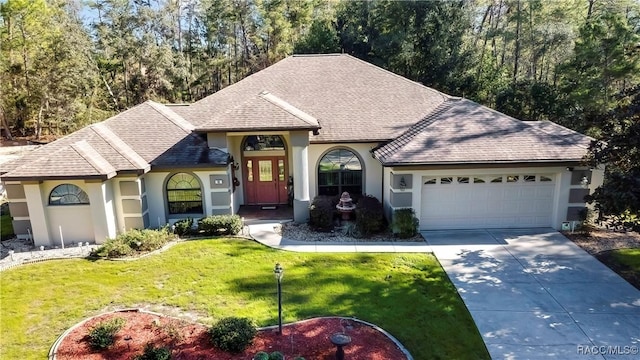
{"x": 75, "y": 222}
{"x": 215, "y": 199}
{"x": 371, "y": 167}
{"x": 563, "y": 202}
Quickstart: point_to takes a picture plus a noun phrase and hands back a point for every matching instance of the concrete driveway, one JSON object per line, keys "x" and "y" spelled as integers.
{"x": 534, "y": 294}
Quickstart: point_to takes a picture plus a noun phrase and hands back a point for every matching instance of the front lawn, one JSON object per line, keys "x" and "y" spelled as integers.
{"x": 626, "y": 262}
{"x": 408, "y": 295}
{"x": 6, "y": 227}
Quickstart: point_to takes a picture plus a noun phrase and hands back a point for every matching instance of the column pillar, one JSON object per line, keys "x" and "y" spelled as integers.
{"x": 300, "y": 151}
{"x": 39, "y": 221}
{"x": 102, "y": 211}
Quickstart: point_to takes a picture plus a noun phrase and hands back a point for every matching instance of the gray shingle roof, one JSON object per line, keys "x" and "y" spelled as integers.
{"x": 461, "y": 131}
{"x": 346, "y": 99}
{"x": 263, "y": 111}
{"x": 131, "y": 141}
{"x": 344, "y": 94}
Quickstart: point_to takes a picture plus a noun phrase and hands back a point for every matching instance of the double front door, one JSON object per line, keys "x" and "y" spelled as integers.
{"x": 265, "y": 180}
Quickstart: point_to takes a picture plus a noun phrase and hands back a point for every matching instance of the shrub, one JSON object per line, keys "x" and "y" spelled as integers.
{"x": 369, "y": 215}
{"x": 299, "y": 358}
{"x": 232, "y": 334}
{"x": 405, "y": 223}
{"x": 154, "y": 353}
{"x": 220, "y": 225}
{"x": 153, "y": 239}
{"x": 133, "y": 241}
{"x": 113, "y": 249}
{"x": 183, "y": 227}
{"x": 261, "y": 355}
{"x": 276, "y": 355}
{"x": 321, "y": 213}
{"x": 103, "y": 335}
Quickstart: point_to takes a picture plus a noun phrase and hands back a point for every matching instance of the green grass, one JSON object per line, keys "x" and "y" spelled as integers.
{"x": 628, "y": 257}
{"x": 6, "y": 227}
{"x": 408, "y": 295}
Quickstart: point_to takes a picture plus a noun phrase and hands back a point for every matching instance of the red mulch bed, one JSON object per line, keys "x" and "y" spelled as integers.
{"x": 188, "y": 341}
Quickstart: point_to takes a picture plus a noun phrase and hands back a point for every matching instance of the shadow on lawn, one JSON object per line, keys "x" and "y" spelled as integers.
{"x": 415, "y": 302}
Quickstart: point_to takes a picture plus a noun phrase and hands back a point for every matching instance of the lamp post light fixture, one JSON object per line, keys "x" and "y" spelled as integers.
{"x": 279, "y": 272}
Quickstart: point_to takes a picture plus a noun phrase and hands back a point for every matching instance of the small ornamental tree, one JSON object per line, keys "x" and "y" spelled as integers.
{"x": 232, "y": 334}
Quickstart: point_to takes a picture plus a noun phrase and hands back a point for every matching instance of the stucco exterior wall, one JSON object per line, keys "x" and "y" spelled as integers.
{"x": 75, "y": 222}
{"x": 562, "y": 202}
{"x": 372, "y": 169}
{"x": 103, "y": 214}
{"x": 216, "y": 199}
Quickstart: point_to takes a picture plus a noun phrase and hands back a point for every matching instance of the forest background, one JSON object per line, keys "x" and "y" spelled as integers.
{"x": 66, "y": 64}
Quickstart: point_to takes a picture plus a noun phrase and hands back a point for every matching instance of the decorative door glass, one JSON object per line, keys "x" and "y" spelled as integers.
{"x": 266, "y": 170}
{"x": 281, "y": 170}
{"x": 249, "y": 170}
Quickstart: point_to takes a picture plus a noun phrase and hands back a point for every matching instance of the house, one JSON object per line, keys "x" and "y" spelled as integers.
{"x": 328, "y": 123}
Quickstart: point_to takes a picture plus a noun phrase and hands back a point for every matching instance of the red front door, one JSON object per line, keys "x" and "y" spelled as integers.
{"x": 265, "y": 179}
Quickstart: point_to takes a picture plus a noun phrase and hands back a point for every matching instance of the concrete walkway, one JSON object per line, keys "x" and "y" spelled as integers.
{"x": 534, "y": 294}
{"x": 264, "y": 233}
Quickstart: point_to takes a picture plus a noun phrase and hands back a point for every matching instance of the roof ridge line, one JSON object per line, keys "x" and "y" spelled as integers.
{"x": 176, "y": 119}
{"x": 539, "y": 129}
{"x": 415, "y": 83}
{"x": 536, "y": 129}
{"x": 120, "y": 146}
{"x": 416, "y": 128}
{"x": 84, "y": 149}
{"x": 291, "y": 109}
{"x": 25, "y": 164}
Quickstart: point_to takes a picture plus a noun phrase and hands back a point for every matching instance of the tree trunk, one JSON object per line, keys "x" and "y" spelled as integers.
{"x": 484, "y": 19}
{"x": 7, "y": 130}
{"x": 38, "y": 129}
{"x": 516, "y": 55}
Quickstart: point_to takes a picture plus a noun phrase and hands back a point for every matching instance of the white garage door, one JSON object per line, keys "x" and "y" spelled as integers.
{"x": 487, "y": 201}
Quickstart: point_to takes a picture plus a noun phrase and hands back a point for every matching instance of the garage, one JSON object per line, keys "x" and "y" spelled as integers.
{"x": 487, "y": 201}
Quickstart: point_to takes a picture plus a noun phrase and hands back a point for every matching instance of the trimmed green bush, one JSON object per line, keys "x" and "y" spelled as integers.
{"x": 183, "y": 227}
{"x": 220, "y": 225}
{"x": 133, "y": 241}
{"x": 261, "y": 355}
{"x": 154, "y": 353}
{"x": 405, "y": 223}
{"x": 232, "y": 334}
{"x": 103, "y": 335}
{"x": 276, "y": 355}
{"x": 369, "y": 215}
{"x": 321, "y": 212}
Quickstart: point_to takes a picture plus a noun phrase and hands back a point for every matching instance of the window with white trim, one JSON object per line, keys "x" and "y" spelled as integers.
{"x": 68, "y": 194}
{"x": 184, "y": 194}
{"x": 340, "y": 170}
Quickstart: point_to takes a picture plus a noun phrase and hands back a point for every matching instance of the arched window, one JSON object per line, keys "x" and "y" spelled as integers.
{"x": 339, "y": 170}
{"x": 184, "y": 195}
{"x": 263, "y": 142}
{"x": 68, "y": 194}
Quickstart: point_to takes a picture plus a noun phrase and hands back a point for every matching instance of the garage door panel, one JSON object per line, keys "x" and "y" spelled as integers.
{"x": 487, "y": 205}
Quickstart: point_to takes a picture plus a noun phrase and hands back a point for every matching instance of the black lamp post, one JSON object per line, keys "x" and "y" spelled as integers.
{"x": 279, "y": 272}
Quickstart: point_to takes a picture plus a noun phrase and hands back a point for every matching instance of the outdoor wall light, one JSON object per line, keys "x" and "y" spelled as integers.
{"x": 403, "y": 183}
{"x": 278, "y": 271}
{"x": 584, "y": 181}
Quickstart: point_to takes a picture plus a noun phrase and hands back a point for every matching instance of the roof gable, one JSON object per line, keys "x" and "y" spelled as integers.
{"x": 264, "y": 111}
{"x": 345, "y": 95}
{"x": 129, "y": 141}
{"x": 462, "y": 131}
